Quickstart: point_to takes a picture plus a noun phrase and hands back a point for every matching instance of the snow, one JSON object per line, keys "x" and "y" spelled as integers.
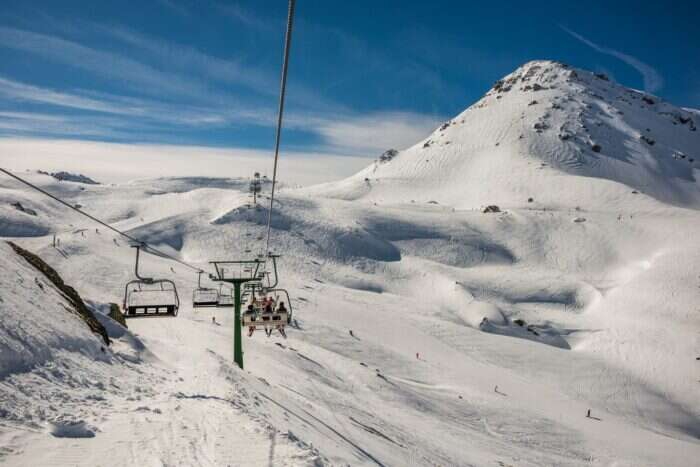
{"x": 427, "y": 333}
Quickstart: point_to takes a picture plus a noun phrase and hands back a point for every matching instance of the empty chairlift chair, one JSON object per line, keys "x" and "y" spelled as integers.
{"x": 225, "y": 297}
{"x": 204, "y": 297}
{"x": 145, "y": 296}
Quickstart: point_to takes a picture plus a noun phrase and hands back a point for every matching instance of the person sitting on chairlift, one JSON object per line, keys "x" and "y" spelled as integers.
{"x": 280, "y": 327}
{"x": 250, "y": 311}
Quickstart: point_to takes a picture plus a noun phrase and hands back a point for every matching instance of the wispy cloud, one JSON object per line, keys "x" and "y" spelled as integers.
{"x": 652, "y": 78}
{"x": 375, "y": 133}
{"x": 175, "y": 7}
{"x": 26, "y": 92}
{"x": 172, "y": 86}
{"x": 181, "y": 114}
{"x": 114, "y": 66}
{"x": 123, "y": 162}
{"x": 244, "y": 16}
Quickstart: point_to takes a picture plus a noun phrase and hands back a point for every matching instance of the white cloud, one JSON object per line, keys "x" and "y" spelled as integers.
{"x": 142, "y": 77}
{"x": 111, "y": 162}
{"x": 373, "y": 134}
{"x": 340, "y": 134}
{"x": 27, "y": 92}
{"x": 178, "y": 114}
{"x": 652, "y": 78}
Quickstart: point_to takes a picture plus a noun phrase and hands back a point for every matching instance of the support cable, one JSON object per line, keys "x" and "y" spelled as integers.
{"x": 283, "y": 88}
{"x": 148, "y": 248}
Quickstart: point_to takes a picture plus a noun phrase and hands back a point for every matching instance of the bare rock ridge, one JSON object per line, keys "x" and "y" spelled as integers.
{"x": 67, "y": 291}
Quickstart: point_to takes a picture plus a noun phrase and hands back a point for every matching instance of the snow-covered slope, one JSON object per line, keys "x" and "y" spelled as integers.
{"x": 427, "y": 333}
{"x": 549, "y": 132}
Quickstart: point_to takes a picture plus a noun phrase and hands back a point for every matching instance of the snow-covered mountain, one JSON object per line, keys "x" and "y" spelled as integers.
{"x": 429, "y": 332}
{"x": 537, "y": 124}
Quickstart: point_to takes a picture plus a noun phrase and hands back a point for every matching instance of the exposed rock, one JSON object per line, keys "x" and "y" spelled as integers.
{"x": 69, "y": 177}
{"x": 116, "y": 314}
{"x": 68, "y": 292}
{"x": 647, "y": 140}
{"x": 388, "y": 155}
{"x": 18, "y": 206}
{"x": 596, "y": 148}
{"x": 491, "y": 208}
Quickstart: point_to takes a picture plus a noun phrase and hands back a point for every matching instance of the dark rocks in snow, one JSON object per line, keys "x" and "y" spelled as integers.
{"x": 530, "y": 200}
{"x": 388, "y": 155}
{"x": 602, "y": 76}
{"x": 18, "y": 206}
{"x": 502, "y": 86}
{"x": 532, "y": 103}
{"x": 444, "y": 126}
{"x": 427, "y": 144}
{"x": 648, "y": 100}
{"x": 491, "y": 208}
{"x": 647, "y": 140}
{"x": 540, "y": 126}
{"x": 116, "y": 314}
{"x": 537, "y": 87}
{"x": 433, "y": 202}
{"x": 69, "y": 177}
{"x": 596, "y": 148}
{"x": 519, "y": 322}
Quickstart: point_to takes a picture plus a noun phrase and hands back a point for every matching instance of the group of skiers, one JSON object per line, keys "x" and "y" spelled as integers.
{"x": 267, "y": 305}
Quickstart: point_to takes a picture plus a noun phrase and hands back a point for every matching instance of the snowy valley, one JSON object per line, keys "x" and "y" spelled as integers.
{"x": 520, "y": 288}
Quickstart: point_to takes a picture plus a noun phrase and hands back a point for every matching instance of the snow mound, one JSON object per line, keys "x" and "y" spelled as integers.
{"x": 536, "y": 125}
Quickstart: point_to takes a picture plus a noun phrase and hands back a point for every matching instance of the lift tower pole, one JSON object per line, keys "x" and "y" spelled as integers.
{"x": 228, "y": 275}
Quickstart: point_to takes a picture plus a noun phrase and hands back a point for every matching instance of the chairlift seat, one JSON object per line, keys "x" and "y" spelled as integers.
{"x": 142, "y": 299}
{"x": 225, "y": 300}
{"x": 202, "y": 298}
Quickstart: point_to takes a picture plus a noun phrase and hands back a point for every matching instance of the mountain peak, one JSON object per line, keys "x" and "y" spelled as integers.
{"x": 550, "y": 129}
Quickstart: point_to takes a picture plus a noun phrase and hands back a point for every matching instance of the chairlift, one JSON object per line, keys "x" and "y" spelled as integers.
{"x": 258, "y": 318}
{"x": 225, "y": 297}
{"x": 204, "y": 297}
{"x": 145, "y": 296}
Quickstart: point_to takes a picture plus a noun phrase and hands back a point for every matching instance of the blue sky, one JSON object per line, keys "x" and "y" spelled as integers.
{"x": 364, "y": 75}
